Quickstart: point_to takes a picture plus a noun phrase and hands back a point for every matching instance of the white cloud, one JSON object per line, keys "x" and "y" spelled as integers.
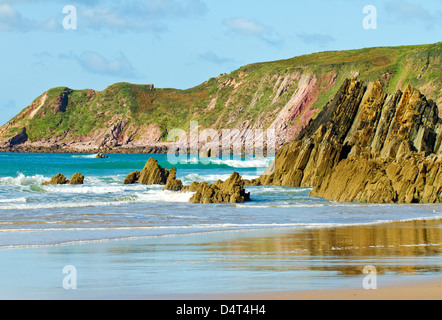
{"x": 212, "y": 57}
{"x": 406, "y": 12}
{"x": 246, "y": 26}
{"x": 253, "y": 28}
{"x": 116, "y": 15}
{"x": 94, "y": 62}
{"x": 319, "y": 39}
{"x": 12, "y": 20}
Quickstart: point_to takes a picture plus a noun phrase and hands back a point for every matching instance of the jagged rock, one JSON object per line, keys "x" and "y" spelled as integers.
{"x": 172, "y": 183}
{"x": 132, "y": 178}
{"x": 229, "y": 191}
{"x": 415, "y": 179}
{"x": 58, "y": 179}
{"x": 153, "y": 173}
{"x": 101, "y": 156}
{"x": 19, "y": 138}
{"x": 77, "y": 179}
{"x": 345, "y": 151}
{"x": 193, "y": 187}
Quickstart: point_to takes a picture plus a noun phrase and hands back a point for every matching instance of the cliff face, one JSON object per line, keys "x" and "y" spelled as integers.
{"x": 281, "y": 95}
{"x": 367, "y": 146}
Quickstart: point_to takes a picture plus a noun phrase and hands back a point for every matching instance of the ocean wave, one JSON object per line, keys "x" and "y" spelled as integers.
{"x": 84, "y": 156}
{"x": 164, "y": 196}
{"x": 16, "y": 200}
{"x": 246, "y": 163}
{"x": 151, "y": 196}
{"x": 95, "y": 189}
{"x": 210, "y": 178}
{"x": 22, "y": 180}
{"x": 233, "y": 163}
{"x": 305, "y": 205}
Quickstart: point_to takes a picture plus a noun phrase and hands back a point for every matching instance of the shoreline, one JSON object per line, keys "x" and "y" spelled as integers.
{"x": 406, "y": 290}
{"x": 286, "y": 265}
{"x": 428, "y": 289}
{"x": 154, "y": 149}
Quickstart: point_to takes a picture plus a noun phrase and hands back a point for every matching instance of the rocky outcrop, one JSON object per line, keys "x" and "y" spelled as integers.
{"x": 19, "y": 138}
{"x": 353, "y": 150}
{"x": 413, "y": 179}
{"x": 229, "y": 191}
{"x": 77, "y": 179}
{"x": 101, "y": 156}
{"x": 58, "y": 179}
{"x": 132, "y": 178}
{"x": 153, "y": 173}
{"x": 173, "y": 184}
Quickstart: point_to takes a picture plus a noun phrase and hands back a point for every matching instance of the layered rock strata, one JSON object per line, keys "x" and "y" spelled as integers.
{"x": 368, "y": 146}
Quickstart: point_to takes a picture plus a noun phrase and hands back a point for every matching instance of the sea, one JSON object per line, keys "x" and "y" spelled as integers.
{"x": 140, "y": 240}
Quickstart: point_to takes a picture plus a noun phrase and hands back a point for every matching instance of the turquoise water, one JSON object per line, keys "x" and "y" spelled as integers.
{"x": 103, "y": 208}
{"x": 137, "y": 239}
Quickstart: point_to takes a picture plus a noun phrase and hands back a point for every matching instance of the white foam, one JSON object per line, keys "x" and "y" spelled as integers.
{"x": 22, "y": 180}
{"x": 245, "y": 163}
{"x": 150, "y": 196}
{"x": 94, "y": 189}
{"x": 16, "y": 200}
{"x": 234, "y": 163}
{"x": 164, "y": 196}
{"x": 211, "y": 177}
{"x": 83, "y": 156}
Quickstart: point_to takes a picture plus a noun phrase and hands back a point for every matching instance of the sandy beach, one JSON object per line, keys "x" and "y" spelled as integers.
{"x": 410, "y": 290}
{"x": 305, "y": 264}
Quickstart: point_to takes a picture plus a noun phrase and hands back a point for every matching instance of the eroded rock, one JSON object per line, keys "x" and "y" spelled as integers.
{"x": 153, "y": 173}
{"x": 132, "y": 178}
{"x": 77, "y": 179}
{"x": 350, "y": 151}
{"x": 58, "y": 179}
{"x": 229, "y": 191}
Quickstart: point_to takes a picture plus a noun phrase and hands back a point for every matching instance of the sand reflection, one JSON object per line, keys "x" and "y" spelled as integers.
{"x": 400, "y": 247}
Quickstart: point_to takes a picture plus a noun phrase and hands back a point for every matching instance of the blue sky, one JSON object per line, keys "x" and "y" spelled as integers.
{"x": 182, "y": 43}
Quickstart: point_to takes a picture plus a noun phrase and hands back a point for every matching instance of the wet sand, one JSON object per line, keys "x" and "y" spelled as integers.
{"x": 295, "y": 264}
{"x": 410, "y": 290}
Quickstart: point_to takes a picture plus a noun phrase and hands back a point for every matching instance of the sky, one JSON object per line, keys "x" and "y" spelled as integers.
{"x": 182, "y": 43}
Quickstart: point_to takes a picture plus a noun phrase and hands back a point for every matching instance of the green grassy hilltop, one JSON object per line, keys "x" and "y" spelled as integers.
{"x": 283, "y": 94}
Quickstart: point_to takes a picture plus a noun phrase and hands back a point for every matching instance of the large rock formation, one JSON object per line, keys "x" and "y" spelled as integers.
{"x": 414, "y": 179}
{"x": 366, "y": 145}
{"x": 153, "y": 173}
{"x": 229, "y": 191}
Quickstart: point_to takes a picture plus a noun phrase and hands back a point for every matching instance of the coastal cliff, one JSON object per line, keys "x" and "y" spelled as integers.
{"x": 279, "y": 95}
{"x": 366, "y": 146}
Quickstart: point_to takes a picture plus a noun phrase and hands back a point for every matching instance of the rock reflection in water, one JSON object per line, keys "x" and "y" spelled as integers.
{"x": 410, "y": 247}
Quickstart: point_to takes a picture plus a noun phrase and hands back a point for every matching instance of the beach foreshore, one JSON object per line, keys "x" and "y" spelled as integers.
{"x": 298, "y": 264}
{"x": 407, "y": 290}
